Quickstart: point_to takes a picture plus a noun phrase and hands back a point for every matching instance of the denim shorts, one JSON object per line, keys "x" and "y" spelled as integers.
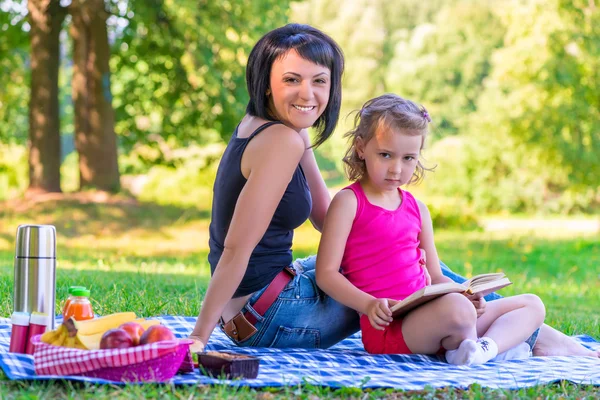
{"x": 302, "y": 316}
{"x": 490, "y": 297}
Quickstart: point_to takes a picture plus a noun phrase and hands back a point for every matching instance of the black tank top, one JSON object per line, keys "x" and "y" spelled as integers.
{"x": 274, "y": 251}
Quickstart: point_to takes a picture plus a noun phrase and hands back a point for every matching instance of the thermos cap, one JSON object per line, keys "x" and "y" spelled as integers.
{"x": 38, "y": 318}
{"x": 20, "y": 318}
{"x": 36, "y": 241}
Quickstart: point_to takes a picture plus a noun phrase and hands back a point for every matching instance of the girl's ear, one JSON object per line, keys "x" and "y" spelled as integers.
{"x": 360, "y": 147}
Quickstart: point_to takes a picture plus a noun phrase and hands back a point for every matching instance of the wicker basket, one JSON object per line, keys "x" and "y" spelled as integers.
{"x": 154, "y": 362}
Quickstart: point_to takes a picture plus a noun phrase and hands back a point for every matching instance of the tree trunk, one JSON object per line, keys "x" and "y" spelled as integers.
{"x": 95, "y": 138}
{"x": 45, "y": 18}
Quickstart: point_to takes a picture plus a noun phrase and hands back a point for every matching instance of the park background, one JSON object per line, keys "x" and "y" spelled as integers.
{"x": 113, "y": 116}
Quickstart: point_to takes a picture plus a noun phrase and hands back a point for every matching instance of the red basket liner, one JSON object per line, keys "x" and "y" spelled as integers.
{"x": 56, "y": 360}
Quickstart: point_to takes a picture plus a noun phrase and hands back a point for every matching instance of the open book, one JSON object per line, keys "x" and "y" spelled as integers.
{"x": 484, "y": 284}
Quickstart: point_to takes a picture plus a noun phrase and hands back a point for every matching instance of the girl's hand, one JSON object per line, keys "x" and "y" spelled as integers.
{"x": 379, "y": 314}
{"x": 478, "y": 302}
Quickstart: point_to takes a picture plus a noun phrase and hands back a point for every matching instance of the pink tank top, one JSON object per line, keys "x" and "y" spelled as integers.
{"x": 382, "y": 252}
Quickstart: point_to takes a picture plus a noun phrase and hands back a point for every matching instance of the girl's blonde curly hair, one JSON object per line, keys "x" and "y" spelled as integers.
{"x": 388, "y": 111}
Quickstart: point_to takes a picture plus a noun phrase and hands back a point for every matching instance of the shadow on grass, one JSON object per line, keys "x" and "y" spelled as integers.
{"x": 73, "y": 217}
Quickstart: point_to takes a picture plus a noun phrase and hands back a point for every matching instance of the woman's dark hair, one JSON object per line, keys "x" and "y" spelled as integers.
{"x": 311, "y": 44}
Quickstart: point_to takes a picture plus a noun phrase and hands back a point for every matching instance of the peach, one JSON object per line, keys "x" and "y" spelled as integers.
{"x": 115, "y": 339}
{"x": 134, "y": 330}
{"x": 156, "y": 333}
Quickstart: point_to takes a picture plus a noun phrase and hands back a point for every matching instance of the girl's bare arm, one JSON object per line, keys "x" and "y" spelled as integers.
{"x": 428, "y": 244}
{"x": 336, "y": 229}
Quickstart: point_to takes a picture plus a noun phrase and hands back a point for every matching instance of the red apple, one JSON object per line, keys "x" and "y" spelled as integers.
{"x": 134, "y": 330}
{"x": 115, "y": 339}
{"x": 156, "y": 333}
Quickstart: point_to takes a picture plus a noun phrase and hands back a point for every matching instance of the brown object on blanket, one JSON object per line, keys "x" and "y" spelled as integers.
{"x": 218, "y": 364}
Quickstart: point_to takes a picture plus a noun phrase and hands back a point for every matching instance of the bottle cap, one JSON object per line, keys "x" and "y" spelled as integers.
{"x": 39, "y": 318}
{"x": 81, "y": 292}
{"x": 36, "y": 241}
{"x": 72, "y": 288}
{"x": 20, "y": 318}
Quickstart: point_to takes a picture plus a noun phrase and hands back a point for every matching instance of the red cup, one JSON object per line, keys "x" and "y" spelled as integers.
{"x": 37, "y": 326}
{"x": 18, "y": 334}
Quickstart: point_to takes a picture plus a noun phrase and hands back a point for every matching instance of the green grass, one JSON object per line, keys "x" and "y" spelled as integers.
{"x": 152, "y": 260}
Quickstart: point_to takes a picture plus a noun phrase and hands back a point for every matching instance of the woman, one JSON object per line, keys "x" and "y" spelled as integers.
{"x": 267, "y": 184}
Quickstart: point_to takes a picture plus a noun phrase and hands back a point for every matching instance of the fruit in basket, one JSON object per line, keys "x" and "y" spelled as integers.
{"x": 92, "y": 342}
{"x": 134, "y": 330}
{"x": 102, "y": 324}
{"x": 156, "y": 333}
{"x": 55, "y": 337}
{"x": 116, "y": 339}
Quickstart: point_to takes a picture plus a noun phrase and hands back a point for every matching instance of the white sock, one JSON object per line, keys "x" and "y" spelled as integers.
{"x": 519, "y": 352}
{"x": 486, "y": 350}
{"x": 463, "y": 354}
{"x": 470, "y": 352}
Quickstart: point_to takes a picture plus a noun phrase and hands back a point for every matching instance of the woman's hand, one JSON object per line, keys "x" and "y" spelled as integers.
{"x": 379, "y": 314}
{"x": 478, "y": 302}
{"x": 197, "y": 346}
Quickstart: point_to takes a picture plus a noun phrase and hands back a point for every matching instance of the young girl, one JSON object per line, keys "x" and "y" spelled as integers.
{"x": 379, "y": 235}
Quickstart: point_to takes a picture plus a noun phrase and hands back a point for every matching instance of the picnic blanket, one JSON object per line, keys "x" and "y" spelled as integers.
{"x": 348, "y": 365}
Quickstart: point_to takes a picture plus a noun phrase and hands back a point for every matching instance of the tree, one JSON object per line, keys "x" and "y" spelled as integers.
{"x": 14, "y": 91}
{"x": 95, "y": 138}
{"x": 544, "y": 89}
{"x": 443, "y": 63}
{"x": 46, "y": 18}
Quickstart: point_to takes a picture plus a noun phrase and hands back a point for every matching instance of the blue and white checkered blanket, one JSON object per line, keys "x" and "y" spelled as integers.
{"x": 348, "y": 365}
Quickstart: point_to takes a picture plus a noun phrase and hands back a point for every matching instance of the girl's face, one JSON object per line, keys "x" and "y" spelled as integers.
{"x": 299, "y": 90}
{"x": 391, "y": 157}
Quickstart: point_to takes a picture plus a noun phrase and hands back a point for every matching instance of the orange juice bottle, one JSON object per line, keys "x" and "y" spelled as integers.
{"x": 70, "y": 298}
{"x": 80, "y": 307}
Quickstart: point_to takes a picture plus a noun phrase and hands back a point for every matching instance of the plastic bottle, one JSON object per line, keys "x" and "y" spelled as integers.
{"x": 18, "y": 334}
{"x": 80, "y": 307}
{"x": 37, "y": 326}
{"x": 70, "y": 298}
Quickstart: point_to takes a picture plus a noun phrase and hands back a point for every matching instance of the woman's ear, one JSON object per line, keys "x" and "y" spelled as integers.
{"x": 268, "y": 92}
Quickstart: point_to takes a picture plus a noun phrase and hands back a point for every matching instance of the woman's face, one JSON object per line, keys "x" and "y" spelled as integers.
{"x": 299, "y": 90}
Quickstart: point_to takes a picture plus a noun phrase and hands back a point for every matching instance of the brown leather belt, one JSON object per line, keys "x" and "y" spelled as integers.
{"x": 241, "y": 327}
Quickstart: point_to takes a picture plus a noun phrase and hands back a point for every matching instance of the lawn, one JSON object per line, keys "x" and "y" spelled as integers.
{"x": 151, "y": 259}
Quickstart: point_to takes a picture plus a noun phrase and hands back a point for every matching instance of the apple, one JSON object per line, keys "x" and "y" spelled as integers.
{"x": 134, "y": 330}
{"x": 156, "y": 333}
{"x": 115, "y": 339}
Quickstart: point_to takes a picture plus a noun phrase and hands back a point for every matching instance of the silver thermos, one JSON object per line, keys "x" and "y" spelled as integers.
{"x": 35, "y": 270}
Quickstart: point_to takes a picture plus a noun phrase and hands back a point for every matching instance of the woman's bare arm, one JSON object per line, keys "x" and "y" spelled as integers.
{"x": 318, "y": 190}
{"x": 274, "y": 155}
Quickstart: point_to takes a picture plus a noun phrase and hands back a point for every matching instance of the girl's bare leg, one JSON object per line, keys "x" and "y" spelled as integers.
{"x": 444, "y": 322}
{"x": 511, "y": 320}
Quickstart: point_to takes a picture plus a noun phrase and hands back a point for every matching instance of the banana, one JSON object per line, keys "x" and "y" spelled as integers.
{"x": 50, "y": 336}
{"x": 62, "y": 336}
{"x": 102, "y": 324}
{"x": 146, "y": 323}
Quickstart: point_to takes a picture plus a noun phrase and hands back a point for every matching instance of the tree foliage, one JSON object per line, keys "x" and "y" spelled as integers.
{"x": 14, "y": 91}
{"x": 180, "y": 70}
